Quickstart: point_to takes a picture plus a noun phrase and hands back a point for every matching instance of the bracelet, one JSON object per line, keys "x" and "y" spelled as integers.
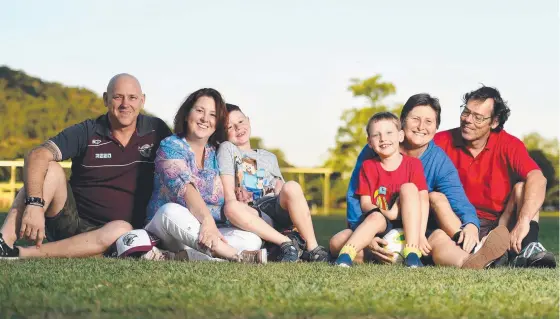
{"x": 35, "y": 201}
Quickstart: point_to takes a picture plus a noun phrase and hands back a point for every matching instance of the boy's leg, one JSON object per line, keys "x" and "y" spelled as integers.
{"x": 337, "y": 242}
{"x": 409, "y": 204}
{"x": 247, "y": 218}
{"x": 445, "y": 216}
{"x": 292, "y": 199}
{"x": 372, "y": 225}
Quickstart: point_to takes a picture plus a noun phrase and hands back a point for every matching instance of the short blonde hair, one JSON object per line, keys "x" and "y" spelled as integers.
{"x": 383, "y": 116}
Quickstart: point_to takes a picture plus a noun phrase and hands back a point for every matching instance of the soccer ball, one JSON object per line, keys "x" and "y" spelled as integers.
{"x": 395, "y": 243}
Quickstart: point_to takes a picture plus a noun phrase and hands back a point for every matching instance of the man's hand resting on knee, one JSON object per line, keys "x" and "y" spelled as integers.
{"x": 33, "y": 224}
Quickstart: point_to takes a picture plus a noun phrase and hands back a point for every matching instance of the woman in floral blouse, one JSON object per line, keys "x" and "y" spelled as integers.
{"x": 185, "y": 210}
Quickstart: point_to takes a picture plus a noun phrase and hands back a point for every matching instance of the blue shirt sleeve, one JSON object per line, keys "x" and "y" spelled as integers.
{"x": 449, "y": 184}
{"x": 353, "y": 209}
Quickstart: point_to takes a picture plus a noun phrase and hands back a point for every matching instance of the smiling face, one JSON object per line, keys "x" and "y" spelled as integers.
{"x": 471, "y": 130}
{"x": 201, "y": 120}
{"x": 239, "y": 129}
{"x": 384, "y": 138}
{"x": 124, "y": 100}
{"x": 420, "y": 126}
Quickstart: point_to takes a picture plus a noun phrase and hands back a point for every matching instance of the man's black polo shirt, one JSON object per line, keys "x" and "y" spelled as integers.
{"x": 109, "y": 181}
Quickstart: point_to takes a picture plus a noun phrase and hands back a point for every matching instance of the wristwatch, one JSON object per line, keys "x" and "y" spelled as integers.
{"x": 35, "y": 201}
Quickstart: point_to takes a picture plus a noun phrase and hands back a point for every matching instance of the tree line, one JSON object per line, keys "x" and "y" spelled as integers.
{"x": 32, "y": 110}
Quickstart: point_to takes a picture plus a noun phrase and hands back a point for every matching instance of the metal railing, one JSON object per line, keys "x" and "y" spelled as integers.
{"x": 10, "y": 188}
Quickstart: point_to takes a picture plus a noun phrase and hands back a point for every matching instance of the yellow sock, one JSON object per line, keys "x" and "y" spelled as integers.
{"x": 350, "y": 250}
{"x": 408, "y": 249}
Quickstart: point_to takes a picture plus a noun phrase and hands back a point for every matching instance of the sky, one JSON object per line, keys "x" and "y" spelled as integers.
{"x": 288, "y": 64}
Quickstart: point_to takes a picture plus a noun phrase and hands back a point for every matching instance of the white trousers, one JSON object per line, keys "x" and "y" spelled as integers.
{"x": 178, "y": 230}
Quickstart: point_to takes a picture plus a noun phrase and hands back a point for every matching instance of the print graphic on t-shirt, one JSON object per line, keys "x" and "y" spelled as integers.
{"x": 379, "y": 197}
{"x": 249, "y": 177}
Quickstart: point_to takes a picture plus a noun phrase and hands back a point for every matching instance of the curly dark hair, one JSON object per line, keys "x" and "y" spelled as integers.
{"x": 180, "y": 124}
{"x": 421, "y": 99}
{"x": 500, "y": 111}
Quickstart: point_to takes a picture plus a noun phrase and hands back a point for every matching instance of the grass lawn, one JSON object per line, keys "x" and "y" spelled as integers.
{"x": 128, "y": 288}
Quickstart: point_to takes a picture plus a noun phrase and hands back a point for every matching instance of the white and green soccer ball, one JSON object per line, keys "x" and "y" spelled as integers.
{"x": 395, "y": 243}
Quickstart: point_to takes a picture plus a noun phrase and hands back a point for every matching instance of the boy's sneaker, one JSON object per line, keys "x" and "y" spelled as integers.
{"x": 253, "y": 256}
{"x": 297, "y": 240}
{"x": 289, "y": 252}
{"x": 6, "y": 252}
{"x": 534, "y": 255}
{"x": 343, "y": 260}
{"x": 319, "y": 253}
{"x": 496, "y": 244}
{"x": 412, "y": 261}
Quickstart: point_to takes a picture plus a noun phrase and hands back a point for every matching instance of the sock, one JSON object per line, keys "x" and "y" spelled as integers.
{"x": 349, "y": 250}
{"x": 533, "y": 234}
{"x": 414, "y": 250}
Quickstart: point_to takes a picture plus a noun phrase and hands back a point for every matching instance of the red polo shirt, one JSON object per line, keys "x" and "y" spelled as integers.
{"x": 488, "y": 178}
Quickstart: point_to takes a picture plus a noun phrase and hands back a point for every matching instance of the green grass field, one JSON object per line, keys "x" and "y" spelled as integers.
{"x": 129, "y": 288}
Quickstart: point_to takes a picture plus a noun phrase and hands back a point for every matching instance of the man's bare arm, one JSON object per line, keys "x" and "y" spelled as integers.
{"x": 533, "y": 196}
{"x": 36, "y": 165}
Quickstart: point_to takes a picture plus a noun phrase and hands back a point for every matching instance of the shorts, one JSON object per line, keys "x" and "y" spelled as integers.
{"x": 270, "y": 210}
{"x": 67, "y": 222}
{"x": 486, "y": 226}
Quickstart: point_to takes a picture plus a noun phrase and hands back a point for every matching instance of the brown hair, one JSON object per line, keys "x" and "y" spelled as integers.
{"x": 383, "y": 116}
{"x": 180, "y": 124}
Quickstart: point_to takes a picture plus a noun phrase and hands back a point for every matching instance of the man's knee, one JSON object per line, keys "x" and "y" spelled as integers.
{"x": 111, "y": 231}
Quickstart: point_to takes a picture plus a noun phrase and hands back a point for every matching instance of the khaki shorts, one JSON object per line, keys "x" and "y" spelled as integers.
{"x": 67, "y": 222}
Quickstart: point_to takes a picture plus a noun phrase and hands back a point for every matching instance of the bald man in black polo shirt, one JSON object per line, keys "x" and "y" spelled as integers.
{"x": 107, "y": 194}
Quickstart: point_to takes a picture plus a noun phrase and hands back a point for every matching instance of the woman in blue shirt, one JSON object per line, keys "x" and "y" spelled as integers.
{"x": 420, "y": 119}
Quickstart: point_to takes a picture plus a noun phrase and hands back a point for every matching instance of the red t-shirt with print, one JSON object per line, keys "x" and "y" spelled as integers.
{"x": 384, "y": 186}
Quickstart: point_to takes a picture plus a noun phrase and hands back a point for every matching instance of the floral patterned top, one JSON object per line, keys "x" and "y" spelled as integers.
{"x": 176, "y": 168}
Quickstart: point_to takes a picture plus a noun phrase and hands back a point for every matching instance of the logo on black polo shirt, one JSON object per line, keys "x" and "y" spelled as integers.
{"x": 95, "y": 142}
{"x": 145, "y": 150}
{"x": 102, "y": 155}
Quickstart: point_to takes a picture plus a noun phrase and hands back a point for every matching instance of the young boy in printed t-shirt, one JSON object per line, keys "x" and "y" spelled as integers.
{"x": 392, "y": 190}
{"x": 258, "y": 200}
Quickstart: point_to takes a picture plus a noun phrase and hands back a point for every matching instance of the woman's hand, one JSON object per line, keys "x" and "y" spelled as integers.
{"x": 209, "y": 235}
{"x": 379, "y": 253}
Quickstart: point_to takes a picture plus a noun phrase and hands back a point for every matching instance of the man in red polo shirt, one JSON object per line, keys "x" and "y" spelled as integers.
{"x": 500, "y": 179}
{"x": 111, "y": 183}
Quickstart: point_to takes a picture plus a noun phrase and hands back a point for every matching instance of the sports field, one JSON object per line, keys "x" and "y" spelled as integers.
{"x": 128, "y": 288}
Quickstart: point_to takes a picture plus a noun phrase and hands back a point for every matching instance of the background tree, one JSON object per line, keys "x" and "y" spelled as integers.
{"x": 351, "y": 135}
{"x": 545, "y": 152}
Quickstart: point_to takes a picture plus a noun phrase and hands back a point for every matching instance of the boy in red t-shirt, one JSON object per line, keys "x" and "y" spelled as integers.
{"x": 392, "y": 187}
